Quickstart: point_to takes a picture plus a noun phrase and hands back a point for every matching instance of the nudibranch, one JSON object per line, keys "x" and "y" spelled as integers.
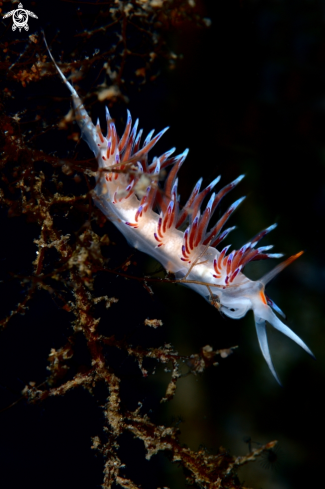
{"x": 128, "y": 193}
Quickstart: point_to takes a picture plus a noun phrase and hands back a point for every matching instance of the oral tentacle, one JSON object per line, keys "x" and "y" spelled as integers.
{"x": 262, "y": 340}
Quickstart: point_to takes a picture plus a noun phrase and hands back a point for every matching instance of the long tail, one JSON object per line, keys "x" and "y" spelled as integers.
{"x": 88, "y": 130}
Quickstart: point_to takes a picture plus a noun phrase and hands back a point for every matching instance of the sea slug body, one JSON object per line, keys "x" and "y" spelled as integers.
{"x": 128, "y": 193}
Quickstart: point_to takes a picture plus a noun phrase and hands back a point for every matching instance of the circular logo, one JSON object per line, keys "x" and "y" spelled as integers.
{"x": 20, "y": 19}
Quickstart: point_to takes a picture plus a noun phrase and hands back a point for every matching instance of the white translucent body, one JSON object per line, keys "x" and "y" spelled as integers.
{"x": 234, "y": 299}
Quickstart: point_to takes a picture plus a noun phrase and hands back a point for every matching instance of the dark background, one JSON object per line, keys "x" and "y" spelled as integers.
{"x": 247, "y": 95}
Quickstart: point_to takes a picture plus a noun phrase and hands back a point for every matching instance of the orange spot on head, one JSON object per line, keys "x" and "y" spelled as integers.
{"x": 262, "y": 296}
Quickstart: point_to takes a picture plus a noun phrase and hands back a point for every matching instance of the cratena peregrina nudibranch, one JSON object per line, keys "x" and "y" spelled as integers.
{"x": 127, "y": 193}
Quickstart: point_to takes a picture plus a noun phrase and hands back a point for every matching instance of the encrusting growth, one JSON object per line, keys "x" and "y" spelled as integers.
{"x": 127, "y": 192}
